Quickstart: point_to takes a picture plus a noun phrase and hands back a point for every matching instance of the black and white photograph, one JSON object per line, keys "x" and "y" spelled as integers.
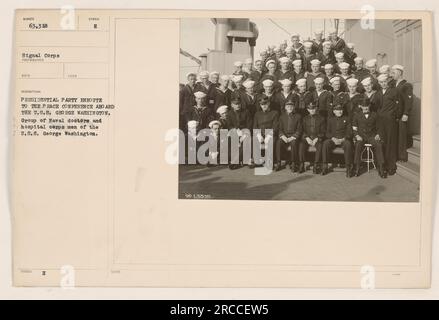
{"x": 300, "y": 109}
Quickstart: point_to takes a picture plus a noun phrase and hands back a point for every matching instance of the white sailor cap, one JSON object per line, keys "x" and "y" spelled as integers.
{"x": 269, "y": 62}
{"x": 192, "y": 124}
{"x": 384, "y": 68}
{"x": 332, "y": 31}
{"x": 398, "y": 67}
{"x": 318, "y": 31}
{"x": 327, "y": 43}
{"x": 248, "y": 84}
{"x": 286, "y": 82}
{"x": 343, "y": 65}
{"x": 339, "y": 55}
{"x": 289, "y": 49}
{"x": 297, "y": 62}
{"x": 334, "y": 80}
{"x": 277, "y": 49}
{"x": 382, "y": 77}
{"x": 318, "y": 80}
{"x": 199, "y": 94}
{"x": 350, "y": 45}
{"x": 284, "y": 59}
{"x": 358, "y": 59}
{"x": 189, "y": 74}
{"x": 262, "y": 52}
{"x": 237, "y": 77}
{"x": 214, "y": 72}
{"x": 371, "y": 63}
{"x": 366, "y": 81}
{"x": 225, "y": 77}
{"x": 237, "y": 63}
{"x": 222, "y": 109}
{"x": 315, "y": 62}
{"x": 352, "y": 82}
{"x": 248, "y": 61}
{"x": 328, "y": 66}
{"x": 214, "y": 122}
{"x": 203, "y": 74}
{"x": 301, "y": 82}
{"x": 307, "y": 44}
{"x": 295, "y": 35}
{"x": 267, "y": 83}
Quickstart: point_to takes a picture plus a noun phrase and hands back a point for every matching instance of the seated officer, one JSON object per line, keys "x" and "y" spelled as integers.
{"x": 265, "y": 124}
{"x": 338, "y": 133}
{"x": 290, "y": 130}
{"x": 314, "y": 128}
{"x": 366, "y": 130}
{"x": 241, "y": 124}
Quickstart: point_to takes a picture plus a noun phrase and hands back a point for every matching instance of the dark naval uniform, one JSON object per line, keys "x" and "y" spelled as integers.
{"x": 324, "y": 101}
{"x": 281, "y": 99}
{"x": 388, "y": 114}
{"x": 249, "y": 103}
{"x": 367, "y": 127}
{"x": 352, "y": 105}
{"x": 405, "y": 96}
{"x": 222, "y": 98}
{"x": 310, "y": 79}
{"x": 202, "y": 115}
{"x": 290, "y": 125}
{"x": 210, "y": 92}
{"x": 339, "y": 128}
{"x": 313, "y": 127}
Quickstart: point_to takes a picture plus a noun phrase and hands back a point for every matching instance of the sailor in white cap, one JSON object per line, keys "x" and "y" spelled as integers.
{"x": 278, "y": 53}
{"x": 257, "y": 72}
{"x": 370, "y": 93}
{"x": 237, "y": 83}
{"x": 345, "y": 70}
{"x": 315, "y": 73}
{"x": 307, "y": 55}
{"x": 271, "y": 72}
{"x": 405, "y": 93}
{"x": 284, "y": 71}
{"x": 326, "y": 56}
{"x": 207, "y": 87}
{"x": 339, "y": 95}
{"x": 249, "y": 99}
{"x": 360, "y": 72}
{"x": 239, "y": 69}
{"x": 247, "y": 65}
{"x": 318, "y": 41}
{"x": 298, "y": 72}
{"x": 200, "y": 113}
{"x": 384, "y": 69}
{"x": 338, "y": 44}
{"x": 295, "y": 43}
{"x": 285, "y": 94}
{"x": 339, "y": 56}
{"x": 289, "y": 53}
{"x": 214, "y": 78}
{"x": 187, "y": 99}
{"x": 354, "y": 97}
{"x": 223, "y": 93}
{"x": 304, "y": 95}
{"x": 329, "y": 71}
{"x": 214, "y": 144}
{"x": 388, "y": 113}
{"x": 371, "y": 66}
{"x": 322, "y": 97}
